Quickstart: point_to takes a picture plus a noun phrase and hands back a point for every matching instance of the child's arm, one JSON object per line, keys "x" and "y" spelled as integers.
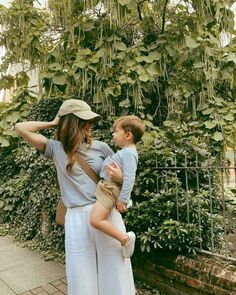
{"x": 129, "y": 167}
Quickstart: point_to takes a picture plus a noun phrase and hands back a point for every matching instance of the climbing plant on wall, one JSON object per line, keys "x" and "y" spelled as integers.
{"x": 161, "y": 59}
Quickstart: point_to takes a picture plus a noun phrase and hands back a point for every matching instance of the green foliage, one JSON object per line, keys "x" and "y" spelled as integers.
{"x": 131, "y": 56}
{"x": 23, "y": 28}
{"x": 28, "y": 190}
{"x": 178, "y": 209}
{"x": 11, "y": 112}
{"x": 160, "y": 60}
{"x": 158, "y": 224}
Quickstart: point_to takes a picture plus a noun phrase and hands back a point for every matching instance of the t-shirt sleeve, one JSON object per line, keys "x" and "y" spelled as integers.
{"x": 130, "y": 162}
{"x": 49, "y": 151}
{"x": 107, "y": 151}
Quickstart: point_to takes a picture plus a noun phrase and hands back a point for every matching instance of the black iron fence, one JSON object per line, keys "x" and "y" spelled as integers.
{"x": 209, "y": 189}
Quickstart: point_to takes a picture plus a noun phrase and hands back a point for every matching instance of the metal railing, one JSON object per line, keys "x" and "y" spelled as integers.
{"x": 217, "y": 181}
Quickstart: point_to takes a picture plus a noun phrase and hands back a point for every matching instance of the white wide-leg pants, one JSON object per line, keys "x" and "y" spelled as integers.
{"x": 94, "y": 264}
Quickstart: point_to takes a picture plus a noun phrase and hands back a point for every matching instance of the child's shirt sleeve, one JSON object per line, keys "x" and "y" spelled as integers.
{"x": 129, "y": 163}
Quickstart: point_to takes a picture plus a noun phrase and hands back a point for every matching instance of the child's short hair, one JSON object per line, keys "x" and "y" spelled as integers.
{"x": 131, "y": 124}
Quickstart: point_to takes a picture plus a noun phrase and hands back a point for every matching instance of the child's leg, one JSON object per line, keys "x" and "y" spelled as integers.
{"x": 99, "y": 220}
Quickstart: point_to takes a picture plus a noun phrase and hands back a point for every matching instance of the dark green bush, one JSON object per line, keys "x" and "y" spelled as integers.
{"x": 27, "y": 187}
{"x": 170, "y": 212}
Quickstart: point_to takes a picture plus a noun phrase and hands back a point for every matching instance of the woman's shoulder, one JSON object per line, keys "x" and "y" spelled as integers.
{"x": 54, "y": 142}
{"x": 103, "y": 147}
{"x": 99, "y": 143}
{"x": 52, "y": 147}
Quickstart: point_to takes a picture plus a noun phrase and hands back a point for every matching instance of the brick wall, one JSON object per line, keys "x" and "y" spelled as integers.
{"x": 181, "y": 275}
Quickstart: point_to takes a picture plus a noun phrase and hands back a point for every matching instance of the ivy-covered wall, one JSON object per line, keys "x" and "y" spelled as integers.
{"x": 28, "y": 193}
{"x": 160, "y": 60}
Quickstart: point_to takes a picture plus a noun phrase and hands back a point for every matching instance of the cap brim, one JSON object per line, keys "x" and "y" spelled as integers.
{"x": 87, "y": 115}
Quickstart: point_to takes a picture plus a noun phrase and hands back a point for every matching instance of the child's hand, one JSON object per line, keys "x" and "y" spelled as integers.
{"x": 121, "y": 207}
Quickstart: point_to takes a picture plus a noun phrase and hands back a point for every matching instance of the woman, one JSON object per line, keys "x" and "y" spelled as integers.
{"x": 94, "y": 263}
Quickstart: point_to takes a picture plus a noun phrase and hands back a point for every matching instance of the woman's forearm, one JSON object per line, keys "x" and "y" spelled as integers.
{"x": 33, "y": 126}
{"x": 28, "y": 131}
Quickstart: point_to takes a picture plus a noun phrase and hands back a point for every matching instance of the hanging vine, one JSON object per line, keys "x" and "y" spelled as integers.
{"x": 154, "y": 58}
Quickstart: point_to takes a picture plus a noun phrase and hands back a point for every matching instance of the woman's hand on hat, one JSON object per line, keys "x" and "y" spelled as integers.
{"x": 114, "y": 172}
{"x": 55, "y": 121}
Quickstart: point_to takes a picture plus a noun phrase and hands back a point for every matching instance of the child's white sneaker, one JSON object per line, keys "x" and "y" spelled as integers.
{"x": 128, "y": 249}
{"x": 130, "y": 204}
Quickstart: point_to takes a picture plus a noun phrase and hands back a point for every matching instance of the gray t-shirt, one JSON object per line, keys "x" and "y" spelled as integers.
{"x": 77, "y": 188}
{"x": 127, "y": 160}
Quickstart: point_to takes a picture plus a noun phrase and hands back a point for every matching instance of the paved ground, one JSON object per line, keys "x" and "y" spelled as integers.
{"x": 24, "y": 272}
{"x": 58, "y": 287}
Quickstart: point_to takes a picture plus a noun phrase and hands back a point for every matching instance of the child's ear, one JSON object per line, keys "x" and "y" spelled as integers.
{"x": 129, "y": 135}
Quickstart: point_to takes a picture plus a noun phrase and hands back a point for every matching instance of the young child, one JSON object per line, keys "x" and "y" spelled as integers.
{"x": 128, "y": 130}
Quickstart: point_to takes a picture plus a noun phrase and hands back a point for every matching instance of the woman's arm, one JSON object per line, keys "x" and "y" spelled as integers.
{"x": 28, "y": 130}
{"x": 115, "y": 172}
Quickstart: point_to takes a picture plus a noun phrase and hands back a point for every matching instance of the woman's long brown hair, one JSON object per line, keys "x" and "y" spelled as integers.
{"x": 72, "y": 133}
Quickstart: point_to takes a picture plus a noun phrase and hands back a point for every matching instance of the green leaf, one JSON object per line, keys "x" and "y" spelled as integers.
{"x": 123, "y": 79}
{"x": 4, "y": 124}
{"x": 125, "y": 103}
{"x": 94, "y": 60}
{"x": 80, "y": 64}
{"x": 152, "y": 70}
{"x": 139, "y": 58}
{"x": 218, "y": 136}
{"x": 3, "y": 8}
{"x": 155, "y": 55}
{"x": 198, "y": 65}
{"x": 147, "y": 59}
{"x": 231, "y": 57}
{"x": 100, "y": 53}
{"x": 130, "y": 63}
{"x": 4, "y": 142}
{"x": 11, "y": 133}
{"x": 87, "y": 26}
{"x": 207, "y": 111}
{"x": 84, "y": 51}
{"x": 124, "y": 2}
{"x": 6, "y": 82}
{"x": 93, "y": 68}
{"x": 59, "y": 79}
{"x": 143, "y": 77}
{"x": 229, "y": 117}
{"x": 210, "y": 124}
{"x": 191, "y": 43}
{"x": 131, "y": 81}
{"x": 55, "y": 67}
{"x": 13, "y": 117}
{"x": 132, "y": 5}
{"x": 140, "y": 70}
{"x": 120, "y": 46}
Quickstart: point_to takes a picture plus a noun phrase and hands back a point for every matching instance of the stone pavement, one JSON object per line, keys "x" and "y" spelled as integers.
{"x": 24, "y": 272}
{"x": 58, "y": 287}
